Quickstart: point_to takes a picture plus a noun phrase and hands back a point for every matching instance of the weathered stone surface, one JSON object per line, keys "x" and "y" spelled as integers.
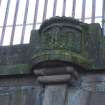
{"x": 60, "y": 50}
{"x": 56, "y": 75}
{"x": 21, "y": 95}
{"x": 24, "y": 91}
{"x": 15, "y": 69}
{"x": 93, "y": 82}
{"x": 57, "y": 71}
{"x": 14, "y": 60}
{"x": 55, "y": 95}
{"x": 54, "y": 70}
{"x": 59, "y": 38}
{"x": 77, "y": 96}
{"x": 18, "y": 54}
{"x": 54, "y": 79}
{"x": 67, "y": 39}
{"x": 6, "y": 97}
{"x": 92, "y": 43}
{"x": 97, "y": 99}
{"x": 82, "y": 97}
{"x": 103, "y": 52}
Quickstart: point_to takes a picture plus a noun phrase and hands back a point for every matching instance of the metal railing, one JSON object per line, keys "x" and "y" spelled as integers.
{"x": 38, "y": 18}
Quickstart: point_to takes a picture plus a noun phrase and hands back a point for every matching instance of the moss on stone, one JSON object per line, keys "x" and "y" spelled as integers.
{"x": 15, "y": 69}
{"x": 65, "y": 55}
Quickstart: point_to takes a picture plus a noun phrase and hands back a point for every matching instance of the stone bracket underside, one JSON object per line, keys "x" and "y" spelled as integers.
{"x": 56, "y": 75}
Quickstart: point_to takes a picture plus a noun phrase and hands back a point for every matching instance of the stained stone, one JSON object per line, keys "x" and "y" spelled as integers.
{"x": 54, "y": 79}
{"x": 21, "y": 95}
{"x": 97, "y": 98}
{"x": 77, "y": 96}
{"x": 55, "y": 95}
{"x": 56, "y": 71}
{"x": 67, "y": 39}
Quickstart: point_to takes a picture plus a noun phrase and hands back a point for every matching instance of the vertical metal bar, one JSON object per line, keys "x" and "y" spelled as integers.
{"x": 5, "y": 22}
{"x": 35, "y": 15}
{"x": 103, "y": 17}
{"x": 73, "y": 8}
{"x": 45, "y": 9}
{"x": 93, "y": 10}
{"x": 83, "y": 10}
{"x": 24, "y": 22}
{"x": 55, "y": 7}
{"x": 64, "y": 7}
{"x": 14, "y": 22}
{"x": 0, "y": 2}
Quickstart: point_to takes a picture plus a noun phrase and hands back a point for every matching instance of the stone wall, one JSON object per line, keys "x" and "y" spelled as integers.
{"x": 62, "y": 65}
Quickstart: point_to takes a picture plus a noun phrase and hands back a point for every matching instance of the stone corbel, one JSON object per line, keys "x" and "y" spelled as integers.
{"x": 56, "y": 80}
{"x": 56, "y": 75}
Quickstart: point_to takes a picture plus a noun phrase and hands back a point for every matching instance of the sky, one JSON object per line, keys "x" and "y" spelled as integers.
{"x": 30, "y": 16}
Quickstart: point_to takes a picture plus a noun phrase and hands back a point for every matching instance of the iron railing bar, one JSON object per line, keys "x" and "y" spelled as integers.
{"x": 20, "y": 24}
{"x": 45, "y": 9}
{"x": 40, "y": 22}
{"x": 35, "y": 15}
{"x": 103, "y": 17}
{"x": 24, "y": 22}
{"x": 54, "y": 7}
{"x": 95, "y": 17}
{"x": 93, "y": 10}
{"x": 64, "y": 8}
{"x": 14, "y": 22}
{"x": 83, "y": 10}
{"x": 73, "y": 8}
{"x": 5, "y": 22}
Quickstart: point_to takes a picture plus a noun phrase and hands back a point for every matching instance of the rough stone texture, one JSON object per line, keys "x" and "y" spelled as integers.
{"x": 67, "y": 39}
{"x": 24, "y": 91}
{"x": 64, "y": 73}
{"x": 77, "y": 96}
{"x": 54, "y": 79}
{"x": 59, "y": 38}
{"x": 55, "y": 95}
{"x": 18, "y": 54}
{"x": 93, "y": 39}
{"x": 103, "y": 52}
{"x": 91, "y": 91}
{"x": 14, "y": 60}
{"x": 54, "y": 71}
{"x": 59, "y": 43}
{"x": 25, "y": 95}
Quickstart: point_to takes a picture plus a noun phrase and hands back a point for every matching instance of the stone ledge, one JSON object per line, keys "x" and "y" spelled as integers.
{"x": 56, "y": 71}
{"x": 54, "y": 79}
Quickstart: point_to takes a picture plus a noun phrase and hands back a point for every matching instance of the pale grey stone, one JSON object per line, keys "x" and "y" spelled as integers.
{"x": 55, "y": 95}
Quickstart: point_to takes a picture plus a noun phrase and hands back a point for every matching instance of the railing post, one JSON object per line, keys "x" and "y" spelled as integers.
{"x": 83, "y": 10}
